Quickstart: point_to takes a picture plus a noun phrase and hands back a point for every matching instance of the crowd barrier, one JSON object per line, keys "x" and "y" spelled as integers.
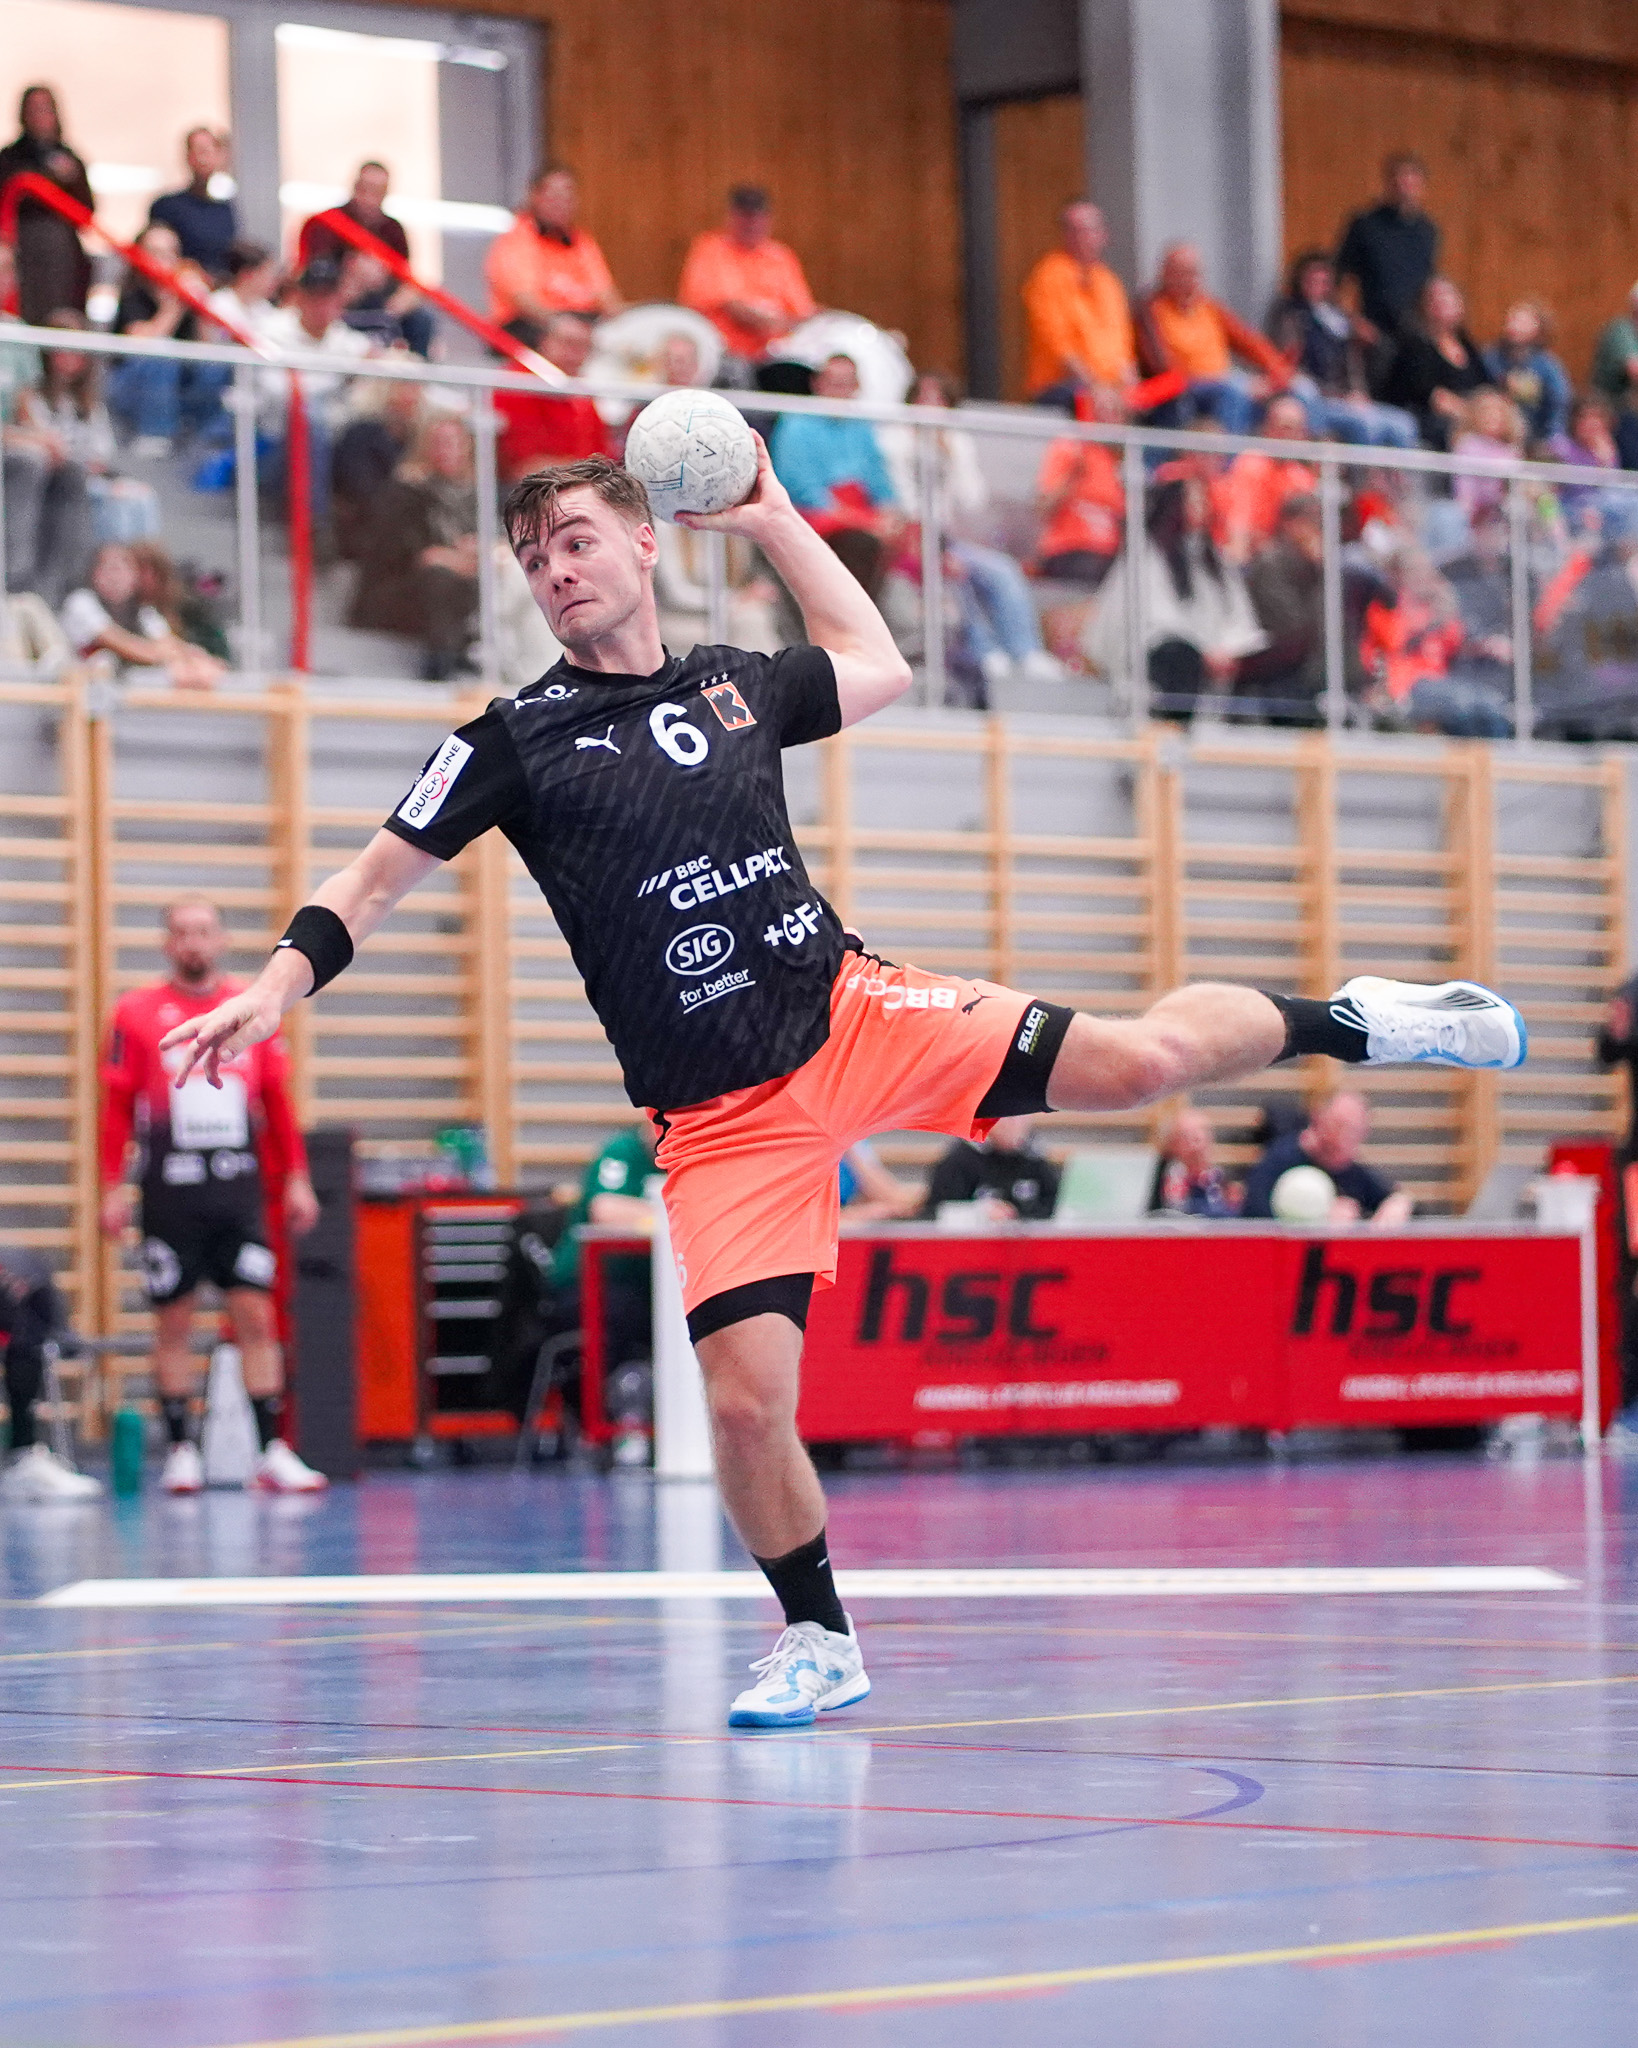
{"x": 1088, "y": 869}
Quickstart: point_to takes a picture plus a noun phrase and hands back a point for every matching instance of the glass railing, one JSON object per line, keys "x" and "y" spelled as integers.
{"x": 1278, "y": 582}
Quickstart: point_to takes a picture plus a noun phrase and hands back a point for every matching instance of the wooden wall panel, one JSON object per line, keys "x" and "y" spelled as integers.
{"x": 1040, "y": 161}
{"x": 1602, "y": 29}
{"x": 845, "y": 111}
{"x": 1533, "y": 162}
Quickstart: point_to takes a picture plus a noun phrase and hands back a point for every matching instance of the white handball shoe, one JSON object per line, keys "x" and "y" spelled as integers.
{"x": 38, "y": 1474}
{"x": 1442, "y": 1024}
{"x": 184, "y": 1470}
{"x": 810, "y": 1670}
{"x": 279, "y": 1470}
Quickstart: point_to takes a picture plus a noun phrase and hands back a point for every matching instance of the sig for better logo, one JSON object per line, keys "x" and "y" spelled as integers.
{"x": 700, "y": 950}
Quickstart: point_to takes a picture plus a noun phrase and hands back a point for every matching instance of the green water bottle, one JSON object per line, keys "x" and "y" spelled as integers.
{"x": 126, "y": 1451}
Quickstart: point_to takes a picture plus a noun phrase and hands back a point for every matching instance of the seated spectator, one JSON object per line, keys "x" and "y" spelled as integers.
{"x": 1437, "y": 364}
{"x": 1586, "y": 627}
{"x": 379, "y": 304}
{"x": 545, "y": 264}
{"x": 1285, "y": 680}
{"x": 1388, "y": 252}
{"x": 869, "y": 1193}
{"x": 1078, "y": 324}
{"x": 246, "y": 299}
{"x": 536, "y": 431}
{"x": 1198, "y": 620}
{"x": 1005, "y": 1172}
{"x": 1522, "y": 364}
{"x": 1490, "y": 433}
{"x": 1247, "y": 497}
{"x": 32, "y": 1316}
{"x": 53, "y": 270}
{"x": 156, "y": 397}
{"x": 838, "y": 478}
{"x": 377, "y": 437}
{"x": 1083, "y": 505}
{"x": 188, "y": 603}
{"x": 1188, "y": 1180}
{"x": 107, "y": 616}
{"x": 1483, "y": 583}
{"x": 312, "y": 322}
{"x": 29, "y": 635}
{"x": 1179, "y": 328}
{"x": 1588, "y": 443}
{"x": 612, "y": 1196}
{"x": 48, "y": 504}
{"x": 67, "y": 406}
{"x": 1615, "y": 376}
{"x": 1332, "y": 1140}
{"x": 205, "y": 226}
{"x": 1408, "y": 647}
{"x": 1312, "y": 331}
{"x": 418, "y": 551}
{"x": 1000, "y": 631}
{"x": 748, "y": 285}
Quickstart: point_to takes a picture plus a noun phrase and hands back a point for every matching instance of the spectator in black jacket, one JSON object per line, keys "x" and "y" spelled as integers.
{"x": 1390, "y": 251}
{"x": 1437, "y": 364}
{"x": 1331, "y": 1140}
{"x": 1312, "y": 329}
{"x": 1006, "y": 1169}
{"x": 53, "y": 271}
{"x": 205, "y": 225}
{"x": 32, "y": 1316}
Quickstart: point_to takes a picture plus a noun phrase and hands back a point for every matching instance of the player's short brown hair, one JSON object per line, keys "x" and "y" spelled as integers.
{"x": 531, "y": 505}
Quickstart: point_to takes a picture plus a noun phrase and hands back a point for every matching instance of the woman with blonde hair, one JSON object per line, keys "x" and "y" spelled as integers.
{"x": 1524, "y": 366}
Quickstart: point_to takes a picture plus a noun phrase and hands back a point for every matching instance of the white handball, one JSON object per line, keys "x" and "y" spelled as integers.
{"x": 1303, "y": 1194}
{"x": 694, "y": 452}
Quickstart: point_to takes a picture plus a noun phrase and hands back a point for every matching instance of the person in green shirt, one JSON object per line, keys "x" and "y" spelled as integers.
{"x": 611, "y": 1193}
{"x": 1615, "y": 375}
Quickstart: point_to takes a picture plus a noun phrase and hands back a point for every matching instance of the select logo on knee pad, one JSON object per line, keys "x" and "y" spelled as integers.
{"x": 255, "y": 1265}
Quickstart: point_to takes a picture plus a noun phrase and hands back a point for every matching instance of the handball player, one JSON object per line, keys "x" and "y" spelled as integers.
{"x": 645, "y": 795}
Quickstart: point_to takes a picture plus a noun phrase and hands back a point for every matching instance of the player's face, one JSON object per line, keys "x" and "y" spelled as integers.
{"x": 592, "y": 572}
{"x": 194, "y": 940}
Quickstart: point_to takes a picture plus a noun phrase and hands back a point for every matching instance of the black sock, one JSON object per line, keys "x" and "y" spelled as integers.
{"x": 269, "y": 1408}
{"x": 174, "y": 1408}
{"x": 806, "y": 1590}
{"x": 1312, "y": 1027}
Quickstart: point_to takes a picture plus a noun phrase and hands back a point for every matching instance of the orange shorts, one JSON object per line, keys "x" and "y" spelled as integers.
{"x": 751, "y": 1177}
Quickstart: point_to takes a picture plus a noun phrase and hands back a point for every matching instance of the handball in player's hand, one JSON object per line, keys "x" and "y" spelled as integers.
{"x": 694, "y": 452}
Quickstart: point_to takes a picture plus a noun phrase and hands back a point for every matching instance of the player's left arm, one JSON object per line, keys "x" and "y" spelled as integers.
{"x": 839, "y": 617}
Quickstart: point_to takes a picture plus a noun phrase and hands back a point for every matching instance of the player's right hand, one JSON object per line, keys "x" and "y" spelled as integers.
{"x": 221, "y": 1035}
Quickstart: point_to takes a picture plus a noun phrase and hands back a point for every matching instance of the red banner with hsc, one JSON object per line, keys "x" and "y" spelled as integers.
{"x": 939, "y": 1336}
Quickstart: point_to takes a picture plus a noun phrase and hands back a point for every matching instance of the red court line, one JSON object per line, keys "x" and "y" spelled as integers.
{"x": 92, "y": 1772}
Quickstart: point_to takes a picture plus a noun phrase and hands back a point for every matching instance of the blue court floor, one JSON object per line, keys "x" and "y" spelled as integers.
{"x": 1216, "y": 1819}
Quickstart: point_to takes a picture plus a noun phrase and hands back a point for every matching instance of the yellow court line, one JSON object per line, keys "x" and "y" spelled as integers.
{"x": 543, "y": 2025}
{"x": 56, "y": 1784}
{"x": 259, "y": 1644}
{"x": 1318, "y": 1699}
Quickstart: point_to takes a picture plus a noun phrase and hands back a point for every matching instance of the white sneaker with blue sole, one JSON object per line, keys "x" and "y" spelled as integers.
{"x": 811, "y": 1670}
{"x": 1443, "y": 1024}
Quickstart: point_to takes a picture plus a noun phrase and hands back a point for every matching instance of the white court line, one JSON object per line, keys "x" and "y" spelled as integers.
{"x": 958, "y": 1584}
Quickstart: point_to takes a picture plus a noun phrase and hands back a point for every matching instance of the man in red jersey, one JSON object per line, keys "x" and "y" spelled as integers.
{"x": 201, "y": 1158}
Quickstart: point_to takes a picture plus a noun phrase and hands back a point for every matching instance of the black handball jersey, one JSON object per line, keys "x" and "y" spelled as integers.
{"x": 651, "y": 811}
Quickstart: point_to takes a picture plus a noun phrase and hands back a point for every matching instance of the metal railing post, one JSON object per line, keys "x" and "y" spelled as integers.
{"x": 247, "y": 522}
{"x": 932, "y": 565}
{"x": 488, "y": 490}
{"x": 1133, "y": 550}
{"x": 1518, "y": 550}
{"x": 1336, "y": 678}
{"x": 716, "y": 588}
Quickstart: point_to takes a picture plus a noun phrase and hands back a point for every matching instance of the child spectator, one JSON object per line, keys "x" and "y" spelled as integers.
{"x": 53, "y": 271}
{"x": 1523, "y": 365}
{"x": 418, "y": 551}
{"x": 1437, "y": 364}
{"x": 184, "y": 601}
{"x": 1492, "y": 433}
{"x": 108, "y": 617}
{"x": 1588, "y": 443}
{"x": 205, "y": 225}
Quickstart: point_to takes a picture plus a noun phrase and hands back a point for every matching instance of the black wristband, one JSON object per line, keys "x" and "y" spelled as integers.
{"x": 321, "y": 937}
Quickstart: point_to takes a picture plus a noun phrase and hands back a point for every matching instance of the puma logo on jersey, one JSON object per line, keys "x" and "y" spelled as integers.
{"x": 606, "y": 741}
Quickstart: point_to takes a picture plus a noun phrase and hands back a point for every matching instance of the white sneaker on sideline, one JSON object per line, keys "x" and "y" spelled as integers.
{"x": 1442, "y": 1024}
{"x": 997, "y": 666}
{"x": 184, "y": 1470}
{"x": 810, "y": 1670}
{"x": 1038, "y": 666}
{"x": 38, "y": 1474}
{"x": 279, "y": 1470}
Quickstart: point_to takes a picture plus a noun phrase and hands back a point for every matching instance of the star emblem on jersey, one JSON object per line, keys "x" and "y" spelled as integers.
{"x": 796, "y": 925}
{"x": 607, "y": 741}
{"x": 730, "y": 707}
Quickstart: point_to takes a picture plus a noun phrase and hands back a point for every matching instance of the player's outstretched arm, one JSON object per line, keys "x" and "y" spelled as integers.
{"x": 363, "y": 895}
{"x": 840, "y": 618}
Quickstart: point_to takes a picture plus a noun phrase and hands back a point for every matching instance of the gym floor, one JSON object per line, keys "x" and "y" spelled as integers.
{"x": 1214, "y": 1819}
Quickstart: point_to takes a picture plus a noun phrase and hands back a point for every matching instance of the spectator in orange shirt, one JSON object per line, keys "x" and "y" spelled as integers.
{"x": 1079, "y": 324}
{"x": 1080, "y": 493}
{"x": 1408, "y": 646}
{"x": 1247, "y": 497}
{"x": 748, "y": 285}
{"x": 535, "y": 431}
{"x": 545, "y": 264}
{"x": 1180, "y": 328}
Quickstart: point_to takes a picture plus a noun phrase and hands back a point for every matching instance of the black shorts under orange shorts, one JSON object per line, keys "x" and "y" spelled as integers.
{"x": 751, "y": 1190}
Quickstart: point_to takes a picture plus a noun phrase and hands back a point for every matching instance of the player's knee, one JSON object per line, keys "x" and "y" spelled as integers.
{"x": 748, "y": 1407}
